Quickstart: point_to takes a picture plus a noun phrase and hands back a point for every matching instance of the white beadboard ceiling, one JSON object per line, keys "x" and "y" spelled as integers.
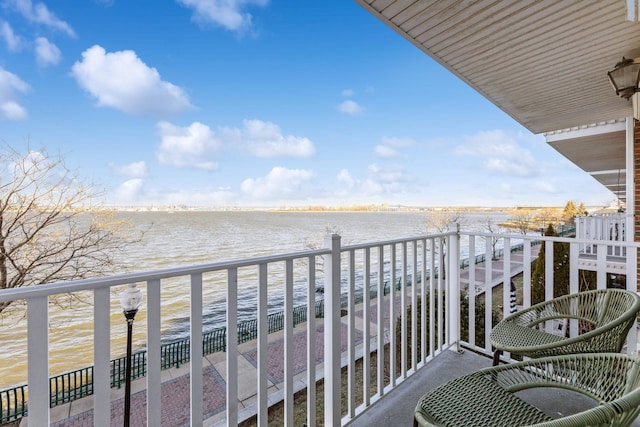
{"x": 543, "y": 62}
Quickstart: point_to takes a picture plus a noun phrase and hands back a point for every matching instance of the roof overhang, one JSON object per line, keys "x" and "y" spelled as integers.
{"x": 598, "y": 149}
{"x": 544, "y": 62}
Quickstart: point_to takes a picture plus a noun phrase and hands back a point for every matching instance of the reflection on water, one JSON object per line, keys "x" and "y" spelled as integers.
{"x": 189, "y": 238}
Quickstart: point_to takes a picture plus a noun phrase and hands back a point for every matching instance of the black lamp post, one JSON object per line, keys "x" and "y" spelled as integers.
{"x": 130, "y": 300}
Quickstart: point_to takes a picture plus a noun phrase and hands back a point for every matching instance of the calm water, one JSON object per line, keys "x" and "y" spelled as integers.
{"x": 189, "y": 238}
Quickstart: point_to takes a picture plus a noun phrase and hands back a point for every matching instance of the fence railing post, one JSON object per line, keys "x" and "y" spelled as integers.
{"x": 454, "y": 284}
{"x": 332, "y": 331}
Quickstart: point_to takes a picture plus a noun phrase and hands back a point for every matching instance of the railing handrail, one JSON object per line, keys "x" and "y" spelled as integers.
{"x": 144, "y": 276}
{"x": 552, "y": 239}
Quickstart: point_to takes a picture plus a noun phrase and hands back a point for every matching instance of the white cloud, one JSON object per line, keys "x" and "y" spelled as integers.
{"x": 188, "y": 147}
{"x": 14, "y": 42}
{"x": 10, "y": 84}
{"x": 47, "y": 53}
{"x": 350, "y": 107}
{"x": 348, "y": 93}
{"x": 122, "y": 81}
{"x": 389, "y": 175}
{"x": 385, "y": 151}
{"x": 545, "y": 187}
{"x": 398, "y": 142}
{"x": 229, "y": 14}
{"x": 389, "y": 146}
{"x": 500, "y": 153}
{"x": 345, "y": 179}
{"x": 133, "y": 170}
{"x": 265, "y": 139}
{"x": 39, "y": 14}
{"x": 129, "y": 190}
{"x": 280, "y": 182}
{"x": 199, "y": 197}
{"x": 387, "y": 179}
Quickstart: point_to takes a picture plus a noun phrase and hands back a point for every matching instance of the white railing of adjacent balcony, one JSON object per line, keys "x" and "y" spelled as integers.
{"x": 362, "y": 269}
{"x": 610, "y": 227}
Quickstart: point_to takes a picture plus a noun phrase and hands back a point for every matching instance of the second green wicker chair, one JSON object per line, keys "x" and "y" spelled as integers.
{"x": 486, "y": 398}
{"x": 604, "y": 317}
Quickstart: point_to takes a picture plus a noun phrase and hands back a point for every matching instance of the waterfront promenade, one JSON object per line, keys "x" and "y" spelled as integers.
{"x": 175, "y": 382}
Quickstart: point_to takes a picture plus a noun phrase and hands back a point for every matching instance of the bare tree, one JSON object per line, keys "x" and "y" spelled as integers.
{"x": 49, "y": 230}
{"x": 523, "y": 220}
{"x": 316, "y": 241}
{"x": 440, "y": 221}
{"x": 548, "y": 216}
{"x": 492, "y": 227}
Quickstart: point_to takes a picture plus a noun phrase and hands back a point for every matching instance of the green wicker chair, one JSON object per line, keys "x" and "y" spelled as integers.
{"x": 486, "y": 398}
{"x": 604, "y": 317}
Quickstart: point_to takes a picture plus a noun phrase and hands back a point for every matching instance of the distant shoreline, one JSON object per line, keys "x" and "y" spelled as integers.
{"x": 355, "y": 208}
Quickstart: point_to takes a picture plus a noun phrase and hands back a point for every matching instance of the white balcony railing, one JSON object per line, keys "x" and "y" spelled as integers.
{"x": 360, "y": 321}
{"x": 609, "y": 227}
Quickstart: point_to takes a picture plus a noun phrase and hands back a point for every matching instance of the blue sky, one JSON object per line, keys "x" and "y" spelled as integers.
{"x": 261, "y": 103}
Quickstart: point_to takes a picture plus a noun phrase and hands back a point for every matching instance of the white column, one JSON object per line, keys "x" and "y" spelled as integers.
{"x": 629, "y": 184}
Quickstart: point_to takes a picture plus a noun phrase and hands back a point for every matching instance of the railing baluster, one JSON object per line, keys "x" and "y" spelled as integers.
{"x": 366, "y": 340}
{"x": 632, "y": 277}
{"x": 506, "y": 283}
{"x": 573, "y": 283}
{"x": 403, "y": 310}
{"x": 154, "y": 384}
{"x": 441, "y": 276}
{"x": 351, "y": 357}
{"x": 311, "y": 343}
{"x": 414, "y": 307}
{"x": 392, "y": 314}
{"x": 432, "y": 299}
{"x": 232, "y": 347}
{"x": 488, "y": 294}
{"x": 526, "y": 273}
{"x": 471, "y": 291}
{"x": 548, "y": 270}
{"x": 602, "y": 261}
{"x": 454, "y": 287}
{"x": 380, "y": 322}
{"x": 101, "y": 353}
{"x": 288, "y": 342}
{"x": 332, "y": 332}
{"x": 262, "y": 346}
{"x": 195, "y": 350}
{"x": 38, "y": 360}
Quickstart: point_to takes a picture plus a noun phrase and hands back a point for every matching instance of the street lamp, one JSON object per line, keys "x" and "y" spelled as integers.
{"x": 130, "y": 300}
{"x": 625, "y": 78}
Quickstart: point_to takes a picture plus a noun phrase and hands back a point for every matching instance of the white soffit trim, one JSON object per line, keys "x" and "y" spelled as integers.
{"x": 609, "y": 172}
{"x": 586, "y": 131}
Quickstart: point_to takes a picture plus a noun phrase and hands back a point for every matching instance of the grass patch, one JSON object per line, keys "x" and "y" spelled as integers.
{"x": 276, "y": 416}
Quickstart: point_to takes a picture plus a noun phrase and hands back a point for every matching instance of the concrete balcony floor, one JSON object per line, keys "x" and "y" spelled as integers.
{"x": 396, "y": 408}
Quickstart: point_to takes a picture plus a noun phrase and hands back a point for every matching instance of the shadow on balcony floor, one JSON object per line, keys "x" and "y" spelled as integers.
{"x": 396, "y": 408}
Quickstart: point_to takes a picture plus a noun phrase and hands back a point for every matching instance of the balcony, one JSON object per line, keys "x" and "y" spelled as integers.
{"x": 366, "y": 289}
{"x": 609, "y": 227}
